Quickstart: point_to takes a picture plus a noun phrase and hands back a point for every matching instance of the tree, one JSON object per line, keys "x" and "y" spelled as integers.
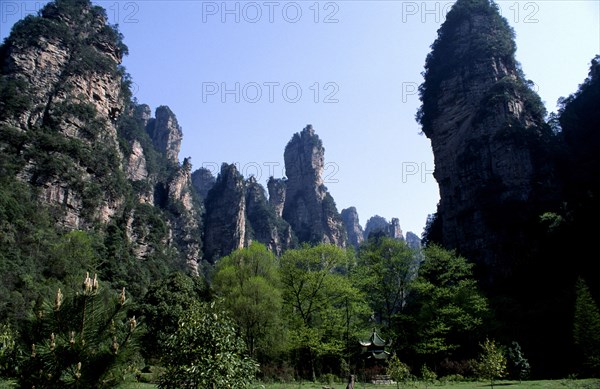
{"x": 385, "y": 269}
{"x": 398, "y": 370}
{"x": 322, "y": 307}
{"x": 518, "y": 364}
{"x": 165, "y": 304}
{"x": 447, "y": 308}
{"x": 247, "y": 280}
{"x": 85, "y": 341}
{"x": 205, "y": 352}
{"x": 492, "y": 361}
{"x": 586, "y": 327}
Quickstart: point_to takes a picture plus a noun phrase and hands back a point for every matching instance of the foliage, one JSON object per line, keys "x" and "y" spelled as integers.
{"x": 385, "y": 270}
{"x": 9, "y": 351}
{"x": 518, "y": 365}
{"x": 447, "y": 310}
{"x": 164, "y": 304}
{"x": 428, "y": 376}
{"x": 82, "y": 341}
{"x": 323, "y": 309}
{"x": 586, "y": 328}
{"x": 247, "y": 280}
{"x": 398, "y": 370}
{"x": 492, "y": 361}
{"x": 205, "y": 352}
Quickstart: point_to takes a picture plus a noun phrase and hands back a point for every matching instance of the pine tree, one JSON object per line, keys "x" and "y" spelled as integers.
{"x": 586, "y": 328}
{"x": 79, "y": 342}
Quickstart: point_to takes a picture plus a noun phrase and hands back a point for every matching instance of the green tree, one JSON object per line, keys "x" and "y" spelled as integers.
{"x": 447, "y": 309}
{"x": 492, "y": 361}
{"x": 322, "y": 307}
{"x": 165, "y": 304}
{"x": 398, "y": 370}
{"x": 247, "y": 280}
{"x": 205, "y": 352}
{"x": 518, "y": 365}
{"x": 586, "y": 327}
{"x": 85, "y": 341}
{"x": 385, "y": 269}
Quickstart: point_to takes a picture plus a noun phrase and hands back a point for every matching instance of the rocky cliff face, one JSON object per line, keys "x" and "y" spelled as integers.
{"x": 62, "y": 92}
{"x": 203, "y": 181}
{"x": 165, "y": 132}
{"x": 308, "y": 207}
{"x": 263, "y": 222}
{"x": 225, "y": 220}
{"x": 487, "y": 133}
{"x": 354, "y": 230}
{"x": 276, "y": 187}
{"x": 68, "y": 128}
{"x": 378, "y": 225}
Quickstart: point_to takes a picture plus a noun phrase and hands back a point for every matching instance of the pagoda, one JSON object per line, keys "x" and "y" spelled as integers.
{"x": 374, "y": 347}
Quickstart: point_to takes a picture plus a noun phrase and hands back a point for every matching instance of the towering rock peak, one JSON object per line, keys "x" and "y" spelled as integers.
{"x": 60, "y": 72}
{"x": 187, "y": 225}
{"x": 166, "y": 134}
{"x": 203, "y": 181}
{"x": 225, "y": 219}
{"x": 142, "y": 113}
{"x": 378, "y": 225}
{"x": 308, "y": 207}
{"x": 263, "y": 223}
{"x": 276, "y": 187}
{"x": 413, "y": 241}
{"x": 486, "y": 129}
{"x": 353, "y": 228}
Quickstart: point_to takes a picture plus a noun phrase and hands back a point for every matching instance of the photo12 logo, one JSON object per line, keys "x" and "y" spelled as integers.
{"x": 269, "y": 91}
{"x": 14, "y": 10}
{"x": 269, "y": 12}
{"x": 435, "y": 11}
{"x": 415, "y": 171}
{"x": 265, "y": 170}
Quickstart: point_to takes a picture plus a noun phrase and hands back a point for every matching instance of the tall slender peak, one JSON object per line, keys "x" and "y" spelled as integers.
{"x": 203, "y": 181}
{"x": 487, "y": 132}
{"x": 225, "y": 219}
{"x": 166, "y": 134}
{"x": 276, "y": 187}
{"x": 308, "y": 207}
{"x": 353, "y": 228}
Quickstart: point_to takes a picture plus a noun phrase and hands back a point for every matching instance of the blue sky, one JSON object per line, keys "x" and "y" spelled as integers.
{"x": 243, "y": 76}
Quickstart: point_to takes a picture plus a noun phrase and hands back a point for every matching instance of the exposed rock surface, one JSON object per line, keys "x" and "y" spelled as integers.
{"x": 225, "y": 219}
{"x": 486, "y": 129}
{"x": 276, "y": 187}
{"x": 413, "y": 241}
{"x": 136, "y": 164}
{"x": 263, "y": 223}
{"x": 203, "y": 181}
{"x": 165, "y": 132}
{"x": 378, "y": 225}
{"x": 308, "y": 207}
{"x": 353, "y": 228}
{"x": 187, "y": 227}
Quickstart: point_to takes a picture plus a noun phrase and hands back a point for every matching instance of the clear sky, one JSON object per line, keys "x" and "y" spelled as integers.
{"x": 243, "y": 77}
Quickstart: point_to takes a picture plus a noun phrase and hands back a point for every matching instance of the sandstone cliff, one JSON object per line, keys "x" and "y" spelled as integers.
{"x": 225, "y": 220}
{"x": 203, "y": 181}
{"x": 308, "y": 207}
{"x": 354, "y": 230}
{"x": 378, "y": 225}
{"x": 487, "y": 133}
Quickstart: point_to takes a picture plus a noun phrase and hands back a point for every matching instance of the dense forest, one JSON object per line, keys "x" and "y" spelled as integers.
{"x": 118, "y": 263}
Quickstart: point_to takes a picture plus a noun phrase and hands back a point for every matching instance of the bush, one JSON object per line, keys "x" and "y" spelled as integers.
{"x": 205, "y": 352}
